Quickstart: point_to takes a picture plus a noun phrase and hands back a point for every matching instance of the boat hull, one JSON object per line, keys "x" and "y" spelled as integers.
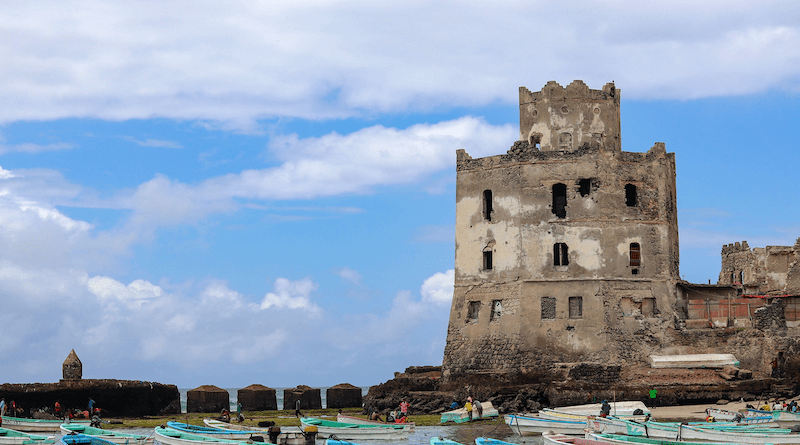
{"x": 530, "y": 426}
{"x": 349, "y": 431}
{"x": 35, "y": 425}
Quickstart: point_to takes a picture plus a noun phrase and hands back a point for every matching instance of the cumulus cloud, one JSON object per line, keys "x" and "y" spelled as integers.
{"x": 323, "y": 60}
{"x": 291, "y": 295}
{"x": 439, "y": 288}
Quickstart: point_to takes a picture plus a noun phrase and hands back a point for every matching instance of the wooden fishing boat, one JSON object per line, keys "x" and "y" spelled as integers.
{"x": 555, "y": 414}
{"x": 618, "y": 409}
{"x": 628, "y": 440}
{"x": 216, "y": 432}
{"x": 562, "y": 439}
{"x": 693, "y": 432}
{"x": 82, "y": 439}
{"x": 741, "y": 418}
{"x": 490, "y": 441}
{"x": 672, "y": 430}
{"x": 359, "y": 421}
{"x": 287, "y": 436}
{"x": 109, "y": 435}
{"x": 443, "y": 441}
{"x": 35, "y": 425}
{"x": 529, "y": 425}
{"x": 330, "y": 441}
{"x": 351, "y": 431}
{"x": 461, "y": 415}
{"x": 227, "y": 426}
{"x": 14, "y": 437}
{"x": 786, "y": 418}
{"x": 169, "y": 436}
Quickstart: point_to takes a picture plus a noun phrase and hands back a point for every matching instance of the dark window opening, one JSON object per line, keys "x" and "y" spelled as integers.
{"x": 536, "y": 140}
{"x": 487, "y": 205}
{"x": 560, "y": 200}
{"x": 548, "y": 308}
{"x": 575, "y": 307}
{"x": 585, "y": 187}
{"x": 741, "y": 277}
{"x": 733, "y": 277}
{"x": 497, "y": 310}
{"x": 487, "y": 260}
{"x": 560, "y": 254}
{"x": 636, "y": 255}
{"x": 630, "y": 195}
{"x": 472, "y": 310}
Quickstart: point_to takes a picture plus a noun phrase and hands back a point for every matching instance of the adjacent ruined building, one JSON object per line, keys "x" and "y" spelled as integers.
{"x": 567, "y": 257}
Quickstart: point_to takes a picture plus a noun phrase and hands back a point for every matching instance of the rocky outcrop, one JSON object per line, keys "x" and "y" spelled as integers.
{"x": 571, "y": 384}
{"x": 117, "y": 398}
{"x": 257, "y": 398}
{"x": 207, "y": 399}
{"x": 343, "y": 395}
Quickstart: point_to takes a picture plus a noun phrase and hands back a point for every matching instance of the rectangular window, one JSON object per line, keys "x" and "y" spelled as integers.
{"x": 497, "y": 310}
{"x": 560, "y": 200}
{"x": 548, "y": 308}
{"x": 472, "y": 310}
{"x": 575, "y": 307}
{"x": 560, "y": 254}
{"x": 630, "y": 195}
{"x": 487, "y": 260}
{"x": 585, "y": 187}
{"x": 487, "y": 205}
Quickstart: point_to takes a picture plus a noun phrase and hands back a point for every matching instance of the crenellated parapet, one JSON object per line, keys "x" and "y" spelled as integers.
{"x": 571, "y": 118}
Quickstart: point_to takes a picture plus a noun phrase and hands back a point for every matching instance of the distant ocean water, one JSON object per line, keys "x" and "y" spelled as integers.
{"x": 234, "y": 396}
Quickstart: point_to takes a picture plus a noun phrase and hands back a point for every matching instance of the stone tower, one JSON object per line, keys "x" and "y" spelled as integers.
{"x": 72, "y": 368}
{"x": 565, "y": 246}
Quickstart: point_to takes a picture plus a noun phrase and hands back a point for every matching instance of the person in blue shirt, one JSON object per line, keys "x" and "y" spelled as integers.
{"x": 91, "y": 405}
{"x": 454, "y": 405}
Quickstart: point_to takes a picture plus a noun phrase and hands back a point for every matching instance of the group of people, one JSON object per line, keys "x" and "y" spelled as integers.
{"x": 10, "y": 409}
{"x": 226, "y": 415}
{"x": 470, "y": 406}
{"x": 399, "y": 415}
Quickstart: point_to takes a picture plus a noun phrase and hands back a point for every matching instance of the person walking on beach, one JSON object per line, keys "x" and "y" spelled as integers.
{"x": 297, "y": 412}
{"x": 479, "y": 409}
{"x": 468, "y": 407}
{"x": 3, "y": 406}
{"x": 91, "y": 406}
{"x": 58, "y": 409}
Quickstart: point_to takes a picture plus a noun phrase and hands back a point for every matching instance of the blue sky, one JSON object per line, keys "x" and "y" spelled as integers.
{"x": 251, "y": 192}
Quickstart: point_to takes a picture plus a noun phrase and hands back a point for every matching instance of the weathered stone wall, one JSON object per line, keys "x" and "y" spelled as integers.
{"x": 310, "y": 398}
{"x": 207, "y": 399}
{"x": 770, "y": 270}
{"x": 72, "y": 369}
{"x": 257, "y": 398}
{"x": 131, "y": 398}
{"x": 566, "y": 246}
{"x": 343, "y": 395}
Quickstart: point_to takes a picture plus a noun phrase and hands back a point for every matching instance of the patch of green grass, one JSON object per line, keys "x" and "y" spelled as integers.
{"x": 281, "y": 418}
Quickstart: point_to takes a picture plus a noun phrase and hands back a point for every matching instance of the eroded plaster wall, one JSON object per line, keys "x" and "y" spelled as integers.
{"x": 770, "y": 270}
{"x": 577, "y": 243}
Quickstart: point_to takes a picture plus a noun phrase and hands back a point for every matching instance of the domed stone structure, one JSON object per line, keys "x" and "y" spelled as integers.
{"x": 72, "y": 369}
{"x": 343, "y": 395}
{"x": 207, "y": 399}
{"x": 308, "y": 397}
{"x": 257, "y": 398}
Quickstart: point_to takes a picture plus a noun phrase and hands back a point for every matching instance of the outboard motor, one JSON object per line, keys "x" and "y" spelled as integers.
{"x": 274, "y": 432}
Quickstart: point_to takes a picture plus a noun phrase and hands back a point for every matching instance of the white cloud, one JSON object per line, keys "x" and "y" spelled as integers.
{"x": 195, "y": 60}
{"x": 291, "y": 295}
{"x": 438, "y": 288}
{"x": 154, "y": 143}
{"x": 349, "y": 275}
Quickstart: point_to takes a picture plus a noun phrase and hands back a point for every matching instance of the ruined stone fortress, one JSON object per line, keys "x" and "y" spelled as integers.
{"x": 567, "y": 253}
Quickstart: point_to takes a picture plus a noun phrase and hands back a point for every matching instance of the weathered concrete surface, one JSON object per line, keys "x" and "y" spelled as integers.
{"x": 257, "y": 398}
{"x": 207, "y": 399}
{"x": 114, "y": 397}
{"x": 310, "y": 398}
{"x": 344, "y": 395}
{"x": 72, "y": 369}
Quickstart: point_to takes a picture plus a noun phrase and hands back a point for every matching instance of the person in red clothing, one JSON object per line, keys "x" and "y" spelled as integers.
{"x": 58, "y": 409}
{"x": 404, "y": 408}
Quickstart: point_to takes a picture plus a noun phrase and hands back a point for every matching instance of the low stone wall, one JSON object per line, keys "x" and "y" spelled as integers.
{"x": 344, "y": 395}
{"x": 207, "y": 399}
{"x": 310, "y": 398}
{"x": 258, "y": 398}
{"x": 116, "y": 398}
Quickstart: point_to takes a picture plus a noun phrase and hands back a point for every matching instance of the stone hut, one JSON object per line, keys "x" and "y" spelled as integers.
{"x": 72, "y": 369}
{"x": 344, "y": 395}
{"x": 309, "y": 397}
{"x": 257, "y": 398}
{"x": 207, "y": 399}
